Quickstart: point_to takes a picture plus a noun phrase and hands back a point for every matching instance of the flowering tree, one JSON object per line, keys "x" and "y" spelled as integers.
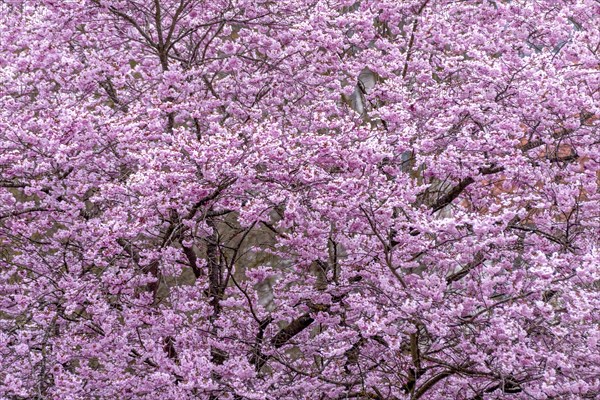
{"x": 299, "y": 199}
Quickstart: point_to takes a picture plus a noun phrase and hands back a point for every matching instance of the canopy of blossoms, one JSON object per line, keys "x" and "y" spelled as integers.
{"x": 299, "y": 199}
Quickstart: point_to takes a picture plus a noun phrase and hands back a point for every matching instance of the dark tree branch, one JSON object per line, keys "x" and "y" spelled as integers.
{"x": 460, "y": 187}
{"x": 294, "y": 328}
{"x": 477, "y": 260}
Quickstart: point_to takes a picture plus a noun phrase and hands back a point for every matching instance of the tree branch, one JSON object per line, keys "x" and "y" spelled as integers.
{"x": 294, "y": 328}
